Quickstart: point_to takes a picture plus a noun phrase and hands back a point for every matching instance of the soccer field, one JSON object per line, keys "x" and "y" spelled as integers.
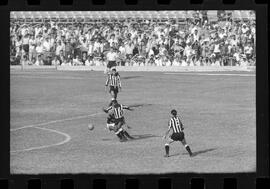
{"x": 50, "y": 111}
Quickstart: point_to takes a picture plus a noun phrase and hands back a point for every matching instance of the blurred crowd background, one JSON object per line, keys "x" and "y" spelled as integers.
{"x": 135, "y": 38}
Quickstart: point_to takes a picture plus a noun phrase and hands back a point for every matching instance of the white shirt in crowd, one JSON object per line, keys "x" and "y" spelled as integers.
{"x": 32, "y": 42}
{"x": 111, "y": 56}
{"x": 39, "y": 49}
{"x": 76, "y": 61}
{"x": 196, "y": 37}
{"x": 198, "y": 63}
{"x": 158, "y": 62}
{"x": 216, "y": 48}
{"x": 59, "y": 48}
{"x": 236, "y": 56}
{"x": 129, "y": 49}
{"x": 88, "y": 62}
{"x": 184, "y": 63}
{"x": 55, "y": 62}
{"x": 90, "y": 48}
{"x": 111, "y": 41}
{"x": 25, "y": 40}
{"x": 98, "y": 46}
{"x": 39, "y": 62}
{"x": 122, "y": 50}
{"x": 248, "y": 50}
{"x": 175, "y": 62}
{"x": 46, "y": 45}
{"x": 167, "y": 63}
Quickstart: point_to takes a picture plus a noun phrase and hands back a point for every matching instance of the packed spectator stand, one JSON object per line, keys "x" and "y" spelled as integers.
{"x": 137, "y": 38}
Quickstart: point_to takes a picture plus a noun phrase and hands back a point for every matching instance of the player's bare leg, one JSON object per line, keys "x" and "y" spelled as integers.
{"x": 187, "y": 147}
{"x": 123, "y": 132}
{"x": 113, "y": 97}
{"x": 119, "y": 133}
{"x": 127, "y": 134}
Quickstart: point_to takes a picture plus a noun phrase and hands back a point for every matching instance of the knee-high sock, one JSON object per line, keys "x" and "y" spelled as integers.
{"x": 126, "y": 134}
{"x": 119, "y": 133}
{"x": 167, "y": 149}
{"x": 188, "y": 149}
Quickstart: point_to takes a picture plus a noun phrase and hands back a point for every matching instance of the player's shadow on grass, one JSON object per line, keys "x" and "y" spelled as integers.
{"x": 202, "y": 151}
{"x": 136, "y": 137}
{"x": 144, "y": 136}
{"x": 130, "y": 77}
{"x": 139, "y": 105}
{"x": 196, "y": 152}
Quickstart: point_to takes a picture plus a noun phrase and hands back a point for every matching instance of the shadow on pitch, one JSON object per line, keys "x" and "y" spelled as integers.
{"x": 139, "y": 105}
{"x": 136, "y": 137}
{"x": 144, "y": 136}
{"x": 130, "y": 77}
{"x": 201, "y": 151}
{"x": 196, "y": 152}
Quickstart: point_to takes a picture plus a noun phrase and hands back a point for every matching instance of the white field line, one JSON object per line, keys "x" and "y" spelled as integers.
{"x": 211, "y": 74}
{"x": 55, "y": 121}
{"x": 67, "y": 139}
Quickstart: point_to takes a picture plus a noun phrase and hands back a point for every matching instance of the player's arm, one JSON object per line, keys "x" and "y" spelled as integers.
{"x": 107, "y": 82}
{"x": 181, "y": 124}
{"x": 167, "y": 132}
{"x": 119, "y": 82}
{"x": 106, "y": 110}
{"x": 127, "y": 108}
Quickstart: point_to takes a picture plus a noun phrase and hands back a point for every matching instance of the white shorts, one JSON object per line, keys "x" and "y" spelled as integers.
{"x": 110, "y": 126}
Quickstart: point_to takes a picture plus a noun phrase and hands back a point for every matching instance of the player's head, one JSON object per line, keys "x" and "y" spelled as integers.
{"x": 114, "y": 102}
{"x": 174, "y": 112}
{"x": 113, "y": 71}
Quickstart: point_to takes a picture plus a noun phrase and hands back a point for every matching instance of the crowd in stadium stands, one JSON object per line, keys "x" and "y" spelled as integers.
{"x": 197, "y": 43}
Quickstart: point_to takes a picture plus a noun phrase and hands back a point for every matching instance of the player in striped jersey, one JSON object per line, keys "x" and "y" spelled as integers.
{"x": 117, "y": 118}
{"x": 177, "y": 128}
{"x": 114, "y": 84}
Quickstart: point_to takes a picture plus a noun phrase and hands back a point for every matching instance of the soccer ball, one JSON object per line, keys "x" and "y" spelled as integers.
{"x": 90, "y": 127}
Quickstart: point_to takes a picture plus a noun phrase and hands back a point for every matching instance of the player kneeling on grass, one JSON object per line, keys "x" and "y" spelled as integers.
{"x": 176, "y": 126}
{"x": 114, "y": 84}
{"x": 116, "y": 120}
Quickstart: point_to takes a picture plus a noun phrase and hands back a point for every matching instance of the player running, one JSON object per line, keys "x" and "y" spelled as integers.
{"x": 176, "y": 126}
{"x": 117, "y": 120}
{"x": 114, "y": 83}
{"x": 123, "y": 134}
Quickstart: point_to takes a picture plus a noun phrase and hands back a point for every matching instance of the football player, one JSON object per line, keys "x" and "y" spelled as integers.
{"x": 117, "y": 118}
{"x": 177, "y": 128}
{"x": 114, "y": 84}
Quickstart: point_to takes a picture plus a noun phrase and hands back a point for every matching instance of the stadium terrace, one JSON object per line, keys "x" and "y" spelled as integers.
{"x": 139, "y": 38}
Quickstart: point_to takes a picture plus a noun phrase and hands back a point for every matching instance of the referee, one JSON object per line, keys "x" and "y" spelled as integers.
{"x": 177, "y": 128}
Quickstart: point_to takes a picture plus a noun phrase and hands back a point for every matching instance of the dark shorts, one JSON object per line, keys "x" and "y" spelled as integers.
{"x": 119, "y": 122}
{"x": 114, "y": 89}
{"x": 111, "y": 64}
{"x": 178, "y": 136}
{"x": 217, "y": 55}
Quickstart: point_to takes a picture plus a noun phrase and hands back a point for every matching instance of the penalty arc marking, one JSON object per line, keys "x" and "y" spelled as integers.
{"x": 54, "y": 121}
{"x": 67, "y": 138}
{"x": 37, "y": 126}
